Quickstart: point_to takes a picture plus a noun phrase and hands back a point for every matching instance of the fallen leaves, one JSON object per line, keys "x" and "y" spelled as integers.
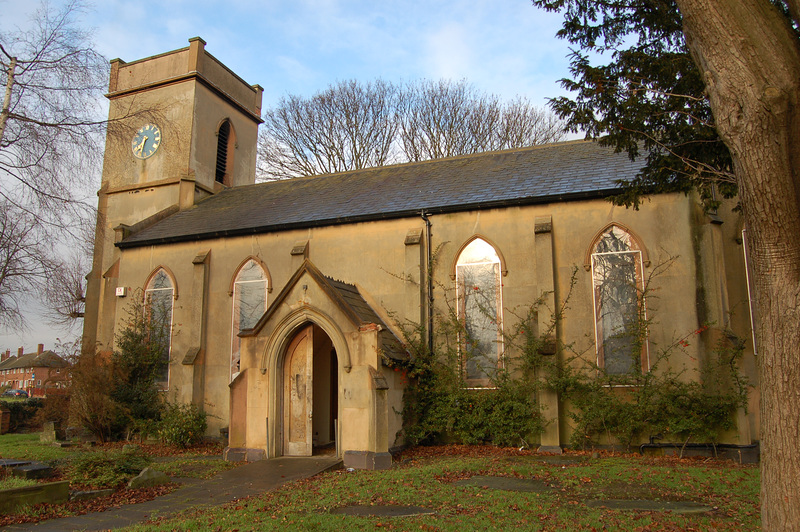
{"x": 44, "y": 512}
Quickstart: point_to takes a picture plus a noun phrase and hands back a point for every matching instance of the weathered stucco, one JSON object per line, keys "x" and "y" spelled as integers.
{"x": 543, "y": 249}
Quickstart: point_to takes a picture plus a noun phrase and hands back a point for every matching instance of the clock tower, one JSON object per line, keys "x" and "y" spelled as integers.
{"x": 182, "y": 127}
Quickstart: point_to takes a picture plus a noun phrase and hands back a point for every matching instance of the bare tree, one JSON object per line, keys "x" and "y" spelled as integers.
{"x": 23, "y": 262}
{"x": 447, "y": 118}
{"x": 524, "y": 124}
{"x": 346, "y": 127}
{"x": 64, "y": 289}
{"x": 53, "y": 81}
{"x": 51, "y": 132}
{"x": 350, "y": 126}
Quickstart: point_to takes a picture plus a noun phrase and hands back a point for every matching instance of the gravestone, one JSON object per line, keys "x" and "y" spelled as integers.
{"x": 48, "y": 434}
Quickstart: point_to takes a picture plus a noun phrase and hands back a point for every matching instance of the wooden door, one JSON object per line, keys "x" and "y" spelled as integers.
{"x": 298, "y": 395}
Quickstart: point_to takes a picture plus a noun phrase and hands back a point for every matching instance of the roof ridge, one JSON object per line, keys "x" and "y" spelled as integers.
{"x": 425, "y": 162}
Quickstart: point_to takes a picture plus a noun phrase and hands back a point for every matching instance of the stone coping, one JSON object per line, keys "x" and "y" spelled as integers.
{"x": 51, "y": 492}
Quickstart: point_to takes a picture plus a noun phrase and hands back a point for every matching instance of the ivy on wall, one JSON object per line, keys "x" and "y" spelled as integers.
{"x": 661, "y": 403}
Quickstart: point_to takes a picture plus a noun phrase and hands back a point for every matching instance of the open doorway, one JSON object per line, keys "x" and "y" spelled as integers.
{"x": 310, "y": 394}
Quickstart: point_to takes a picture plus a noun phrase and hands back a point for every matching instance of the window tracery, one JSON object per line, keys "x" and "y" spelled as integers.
{"x": 158, "y": 302}
{"x": 616, "y": 265}
{"x": 250, "y": 289}
{"x": 479, "y": 294}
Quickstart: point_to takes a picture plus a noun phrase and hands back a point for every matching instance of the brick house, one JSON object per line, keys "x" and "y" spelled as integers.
{"x": 33, "y": 372}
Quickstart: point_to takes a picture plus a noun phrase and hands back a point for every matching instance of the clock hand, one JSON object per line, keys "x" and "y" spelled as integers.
{"x": 138, "y": 149}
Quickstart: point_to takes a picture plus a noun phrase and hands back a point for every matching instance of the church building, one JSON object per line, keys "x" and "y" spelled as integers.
{"x": 282, "y": 304}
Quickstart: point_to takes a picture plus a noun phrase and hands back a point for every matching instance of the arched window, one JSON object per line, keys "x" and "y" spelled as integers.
{"x": 249, "y": 304}
{"x": 480, "y": 309}
{"x": 158, "y": 298}
{"x": 618, "y": 306}
{"x": 226, "y": 141}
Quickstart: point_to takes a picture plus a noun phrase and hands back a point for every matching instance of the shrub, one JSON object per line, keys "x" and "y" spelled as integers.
{"x": 107, "y": 469}
{"x": 55, "y": 407}
{"x": 658, "y": 404}
{"x": 437, "y": 405}
{"x": 182, "y": 424}
{"x": 23, "y": 413}
{"x": 116, "y": 393}
{"x": 91, "y": 405}
{"x": 138, "y": 358}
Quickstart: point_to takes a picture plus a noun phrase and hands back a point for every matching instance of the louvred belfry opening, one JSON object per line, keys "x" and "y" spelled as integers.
{"x": 222, "y": 151}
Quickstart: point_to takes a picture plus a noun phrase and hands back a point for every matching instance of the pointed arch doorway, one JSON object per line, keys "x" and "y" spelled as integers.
{"x": 309, "y": 394}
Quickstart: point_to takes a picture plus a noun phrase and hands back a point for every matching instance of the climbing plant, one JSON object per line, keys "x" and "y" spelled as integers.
{"x": 658, "y": 403}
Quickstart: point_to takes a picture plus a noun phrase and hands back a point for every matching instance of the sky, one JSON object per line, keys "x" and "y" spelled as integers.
{"x": 503, "y": 47}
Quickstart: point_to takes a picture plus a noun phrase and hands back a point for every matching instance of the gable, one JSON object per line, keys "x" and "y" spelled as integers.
{"x": 345, "y": 297}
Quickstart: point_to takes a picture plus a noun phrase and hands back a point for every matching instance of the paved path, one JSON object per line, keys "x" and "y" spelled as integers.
{"x": 243, "y": 481}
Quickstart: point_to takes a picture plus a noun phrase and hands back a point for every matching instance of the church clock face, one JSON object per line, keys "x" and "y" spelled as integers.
{"x": 146, "y": 141}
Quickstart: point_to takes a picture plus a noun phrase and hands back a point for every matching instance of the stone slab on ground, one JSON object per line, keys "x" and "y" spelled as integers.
{"x": 148, "y": 478}
{"x": 382, "y": 510}
{"x": 33, "y": 471}
{"x": 528, "y": 485}
{"x": 678, "y": 507}
{"x": 12, "y": 462}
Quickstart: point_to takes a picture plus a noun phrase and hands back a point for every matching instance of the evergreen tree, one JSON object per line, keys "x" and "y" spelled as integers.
{"x": 746, "y": 57}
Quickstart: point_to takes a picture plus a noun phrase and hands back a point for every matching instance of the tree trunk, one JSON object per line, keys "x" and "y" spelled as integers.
{"x": 750, "y": 59}
{"x": 12, "y": 67}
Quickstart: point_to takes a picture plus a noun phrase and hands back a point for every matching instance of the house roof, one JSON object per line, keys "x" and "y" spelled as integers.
{"x": 541, "y": 174}
{"x": 46, "y": 359}
{"x": 390, "y": 345}
{"x": 349, "y": 300}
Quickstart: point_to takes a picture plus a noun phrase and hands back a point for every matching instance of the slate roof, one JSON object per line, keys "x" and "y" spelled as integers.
{"x": 390, "y": 345}
{"x": 46, "y": 359}
{"x": 542, "y": 174}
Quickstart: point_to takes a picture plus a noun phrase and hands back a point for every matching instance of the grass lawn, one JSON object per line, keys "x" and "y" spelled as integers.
{"x": 421, "y": 479}
{"x": 28, "y": 447}
{"x": 201, "y": 461}
{"x": 198, "y": 462}
{"x": 193, "y": 466}
{"x": 8, "y": 482}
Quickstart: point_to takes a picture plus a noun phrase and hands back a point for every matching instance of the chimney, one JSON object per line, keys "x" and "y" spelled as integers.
{"x": 40, "y": 349}
{"x": 19, "y": 352}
